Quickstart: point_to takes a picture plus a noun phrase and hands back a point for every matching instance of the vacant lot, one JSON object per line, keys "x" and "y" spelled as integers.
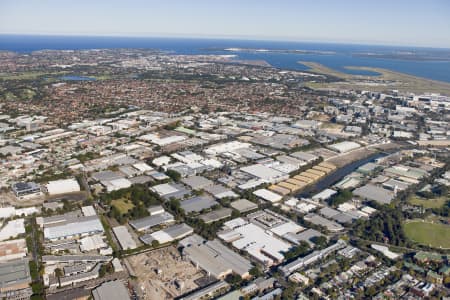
{"x": 428, "y": 203}
{"x": 122, "y": 205}
{"x": 163, "y": 274}
{"x": 433, "y": 234}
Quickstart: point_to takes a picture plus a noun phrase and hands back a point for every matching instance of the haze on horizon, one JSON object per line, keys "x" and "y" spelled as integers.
{"x": 400, "y": 22}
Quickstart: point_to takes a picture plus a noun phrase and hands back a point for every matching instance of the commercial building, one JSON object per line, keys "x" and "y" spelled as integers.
{"x": 24, "y": 190}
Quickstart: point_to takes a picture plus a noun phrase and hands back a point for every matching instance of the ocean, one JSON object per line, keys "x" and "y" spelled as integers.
{"x": 342, "y": 55}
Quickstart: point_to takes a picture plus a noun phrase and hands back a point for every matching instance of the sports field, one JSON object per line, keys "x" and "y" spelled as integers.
{"x": 436, "y": 235}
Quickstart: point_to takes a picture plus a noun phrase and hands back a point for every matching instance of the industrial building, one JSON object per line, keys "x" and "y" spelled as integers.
{"x": 145, "y": 223}
{"x": 372, "y": 192}
{"x": 311, "y": 258}
{"x": 197, "y": 204}
{"x": 62, "y": 186}
{"x": 216, "y": 215}
{"x": 345, "y": 146}
{"x": 215, "y": 258}
{"x": 243, "y": 205}
{"x": 73, "y": 228}
{"x": 267, "y": 195}
{"x": 13, "y": 249}
{"x": 255, "y": 240}
{"x": 111, "y": 290}
{"x": 15, "y": 279}
{"x": 169, "y": 234}
{"x": 124, "y": 237}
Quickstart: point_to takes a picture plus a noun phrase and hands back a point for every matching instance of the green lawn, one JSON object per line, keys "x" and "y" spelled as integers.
{"x": 427, "y": 203}
{"x": 433, "y": 234}
{"x": 122, "y": 206}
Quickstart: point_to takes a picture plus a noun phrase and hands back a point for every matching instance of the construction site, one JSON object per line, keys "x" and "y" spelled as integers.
{"x": 163, "y": 274}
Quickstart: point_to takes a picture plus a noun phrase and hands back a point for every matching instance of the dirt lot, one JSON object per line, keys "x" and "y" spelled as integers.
{"x": 171, "y": 268}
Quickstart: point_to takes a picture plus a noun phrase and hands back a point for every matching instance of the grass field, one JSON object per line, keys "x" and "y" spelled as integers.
{"x": 122, "y": 206}
{"x": 435, "y": 235}
{"x": 427, "y": 203}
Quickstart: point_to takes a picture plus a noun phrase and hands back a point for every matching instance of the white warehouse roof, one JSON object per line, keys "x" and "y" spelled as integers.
{"x": 63, "y": 186}
{"x": 267, "y": 195}
{"x": 80, "y": 226}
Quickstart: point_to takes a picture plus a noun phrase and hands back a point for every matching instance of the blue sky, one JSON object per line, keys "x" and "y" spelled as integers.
{"x": 394, "y": 22}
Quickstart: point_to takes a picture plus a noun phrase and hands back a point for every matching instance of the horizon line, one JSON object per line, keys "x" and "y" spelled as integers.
{"x": 225, "y": 37}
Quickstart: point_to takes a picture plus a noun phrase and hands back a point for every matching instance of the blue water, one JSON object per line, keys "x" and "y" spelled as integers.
{"x": 435, "y": 70}
{"x": 77, "y": 78}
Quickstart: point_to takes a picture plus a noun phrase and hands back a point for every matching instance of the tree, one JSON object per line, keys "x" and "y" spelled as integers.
{"x": 155, "y": 243}
{"x": 255, "y": 272}
{"x": 174, "y": 175}
{"x": 59, "y": 273}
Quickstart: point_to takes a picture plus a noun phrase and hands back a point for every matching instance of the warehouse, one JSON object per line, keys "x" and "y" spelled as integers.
{"x": 263, "y": 172}
{"x": 13, "y": 249}
{"x": 321, "y": 221}
{"x": 197, "y": 204}
{"x": 216, "y": 215}
{"x": 308, "y": 157}
{"x": 170, "y": 190}
{"x": 305, "y": 179}
{"x": 317, "y": 172}
{"x": 344, "y": 147}
{"x": 111, "y": 290}
{"x": 322, "y": 169}
{"x": 243, "y": 205}
{"x": 197, "y": 182}
{"x": 124, "y": 237}
{"x": 15, "y": 278}
{"x": 373, "y": 192}
{"x": 151, "y": 221}
{"x": 219, "y": 191}
{"x": 75, "y": 227}
{"x": 310, "y": 175}
{"x": 279, "y": 190}
{"x": 291, "y": 187}
{"x": 255, "y": 241}
{"x": 267, "y": 195}
{"x": 327, "y": 165}
{"x": 62, "y": 186}
{"x": 215, "y": 258}
{"x": 169, "y": 234}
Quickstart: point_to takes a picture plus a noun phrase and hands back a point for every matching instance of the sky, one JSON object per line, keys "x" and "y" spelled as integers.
{"x": 388, "y": 22}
